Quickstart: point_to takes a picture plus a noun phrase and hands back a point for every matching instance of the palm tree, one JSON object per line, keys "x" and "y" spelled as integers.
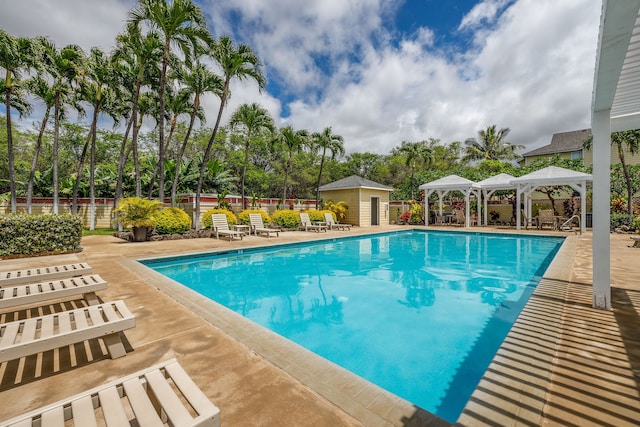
{"x": 491, "y": 146}
{"x": 629, "y": 140}
{"x": 236, "y": 62}
{"x": 180, "y": 22}
{"x": 137, "y": 55}
{"x": 64, "y": 66}
{"x": 250, "y": 119}
{"x": 198, "y": 81}
{"x": 293, "y": 142}
{"x": 15, "y": 57}
{"x": 415, "y": 154}
{"x": 324, "y": 141}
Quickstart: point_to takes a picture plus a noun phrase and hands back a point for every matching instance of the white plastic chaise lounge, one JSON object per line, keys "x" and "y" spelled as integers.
{"x": 305, "y": 222}
{"x": 221, "y": 227}
{"x": 335, "y": 225}
{"x": 34, "y": 335}
{"x": 159, "y": 395}
{"x": 43, "y": 273}
{"x": 87, "y": 286}
{"x": 255, "y": 220}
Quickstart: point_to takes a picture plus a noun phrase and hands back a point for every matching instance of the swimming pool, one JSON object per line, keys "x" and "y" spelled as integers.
{"x": 421, "y": 314}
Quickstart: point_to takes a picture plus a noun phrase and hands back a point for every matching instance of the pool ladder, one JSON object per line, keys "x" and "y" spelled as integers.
{"x": 568, "y": 226}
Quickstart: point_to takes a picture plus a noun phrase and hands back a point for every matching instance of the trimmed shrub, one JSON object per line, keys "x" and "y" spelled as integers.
{"x": 207, "y": 221}
{"x": 315, "y": 215}
{"x": 286, "y": 219}
{"x": 39, "y": 234}
{"x": 172, "y": 221}
{"x": 243, "y": 217}
{"x": 621, "y": 219}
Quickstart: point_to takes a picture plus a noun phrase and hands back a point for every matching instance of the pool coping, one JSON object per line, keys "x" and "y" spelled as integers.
{"x": 363, "y": 400}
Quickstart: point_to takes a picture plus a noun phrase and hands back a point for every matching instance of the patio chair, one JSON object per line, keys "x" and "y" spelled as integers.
{"x": 39, "y": 274}
{"x": 545, "y": 217}
{"x": 306, "y": 224}
{"x": 38, "y": 334}
{"x": 335, "y": 225}
{"x": 221, "y": 227}
{"x": 160, "y": 395}
{"x": 255, "y": 220}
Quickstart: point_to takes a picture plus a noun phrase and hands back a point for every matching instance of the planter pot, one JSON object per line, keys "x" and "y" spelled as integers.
{"x": 140, "y": 234}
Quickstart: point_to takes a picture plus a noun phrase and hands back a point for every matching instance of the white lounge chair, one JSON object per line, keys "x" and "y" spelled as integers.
{"x": 305, "y": 222}
{"x": 159, "y": 395}
{"x": 335, "y": 225}
{"x": 40, "y": 274}
{"x": 37, "y": 334}
{"x": 221, "y": 227}
{"x": 255, "y": 220}
{"x": 87, "y": 286}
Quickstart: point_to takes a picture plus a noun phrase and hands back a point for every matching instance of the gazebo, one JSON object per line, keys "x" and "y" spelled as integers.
{"x": 551, "y": 176}
{"x": 491, "y": 185}
{"x": 443, "y": 186}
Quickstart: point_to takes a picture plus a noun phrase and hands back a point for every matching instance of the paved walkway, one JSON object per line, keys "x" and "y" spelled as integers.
{"x": 563, "y": 364}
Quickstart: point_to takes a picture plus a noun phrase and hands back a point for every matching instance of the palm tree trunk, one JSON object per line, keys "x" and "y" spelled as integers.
{"x": 183, "y": 147}
{"x": 34, "y": 161}
{"x": 324, "y": 152}
{"x": 12, "y": 178}
{"x": 286, "y": 176}
{"x": 56, "y": 135}
{"x": 205, "y": 157}
{"x": 92, "y": 186}
{"x": 627, "y": 178}
{"x": 83, "y": 156}
{"x": 163, "y": 83}
{"x": 156, "y": 170}
{"x": 244, "y": 167}
{"x": 122, "y": 159}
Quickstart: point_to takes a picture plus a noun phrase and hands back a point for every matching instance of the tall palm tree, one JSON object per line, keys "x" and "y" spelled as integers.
{"x": 491, "y": 145}
{"x": 629, "y": 140}
{"x": 250, "y": 120}
{"x": 292, "y": 142}
{"x": 138, "y": 56}
{"x": 235, "y": 61}
{"x": 15, "y": 57}
{"x": 198, "y": 81}
{"x": 415, "y": 154}
{"x": 180, "y": 22}
{"x": 64, "y": 66}
{"x": 324, "y": 141}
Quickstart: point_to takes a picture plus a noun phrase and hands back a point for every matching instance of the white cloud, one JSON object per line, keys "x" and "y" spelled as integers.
{"x": 530, "y": 67}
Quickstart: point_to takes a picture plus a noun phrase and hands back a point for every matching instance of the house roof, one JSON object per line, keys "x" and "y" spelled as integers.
{"x": 552, "y": 175}
{"x": 451, "y": 182}
{"x": 354, "y": 181}
{"x": 562, "y": 142}
{"x": 497, "y": 182}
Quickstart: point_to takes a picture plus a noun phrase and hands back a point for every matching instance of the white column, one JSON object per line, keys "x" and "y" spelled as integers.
{"x": 601, "y": 146}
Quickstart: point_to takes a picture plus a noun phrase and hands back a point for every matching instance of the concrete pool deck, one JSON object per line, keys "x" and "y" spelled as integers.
{"x": 563, "y": 363}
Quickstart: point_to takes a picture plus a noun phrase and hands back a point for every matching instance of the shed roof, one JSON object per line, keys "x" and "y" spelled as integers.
{"x": 562, "y": 142}
{"x": 354, "y": 181}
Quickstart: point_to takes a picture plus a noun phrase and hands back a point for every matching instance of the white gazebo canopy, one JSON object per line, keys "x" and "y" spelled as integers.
{"x": 491, "y": 185}
{"x": 551, "y": 176}
{"x": 443, "y": 186}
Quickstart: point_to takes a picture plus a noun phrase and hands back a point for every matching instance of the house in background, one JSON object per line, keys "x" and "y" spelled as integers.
{"x": 367, "y": 201}
{"x": 569, "y": 145}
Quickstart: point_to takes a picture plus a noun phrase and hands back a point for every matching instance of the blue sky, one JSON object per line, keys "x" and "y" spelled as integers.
{"x": 380, "y": 72}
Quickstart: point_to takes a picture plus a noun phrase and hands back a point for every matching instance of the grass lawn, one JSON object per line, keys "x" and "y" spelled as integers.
{"x": 98, "y": 232}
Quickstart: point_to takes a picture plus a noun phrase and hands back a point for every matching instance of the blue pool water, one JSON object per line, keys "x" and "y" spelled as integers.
{"x": 420, "y": 314}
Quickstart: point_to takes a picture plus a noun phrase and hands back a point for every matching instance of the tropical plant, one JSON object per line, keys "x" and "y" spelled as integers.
{"x": 172, "y": 220}
{"x": 315, "y": 215}
{"x": 15, "y": 57}
{"x": 180, "y": 22}
{"x": 292, "y": 142}
{"x": 338, "y": 208}
{"x": 207, "y": 221}
{"x": 236, "y": 62}
{"x": 250, "y": 119}
{"x": 286, "y": 219}
{"x": 491, "y": 145}
{"x": 416, "y": 154}
{"x": 137, "y": 212}
{"x": 324, "y": 141}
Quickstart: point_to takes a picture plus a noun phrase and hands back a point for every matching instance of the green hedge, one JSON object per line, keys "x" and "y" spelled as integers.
{"x": 37, "y": 234}
{"x": 172, "y": 221}
{"x": 286, "y": 218}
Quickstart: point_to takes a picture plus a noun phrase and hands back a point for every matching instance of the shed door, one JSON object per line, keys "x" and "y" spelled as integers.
{"x": 375, "y": 210}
